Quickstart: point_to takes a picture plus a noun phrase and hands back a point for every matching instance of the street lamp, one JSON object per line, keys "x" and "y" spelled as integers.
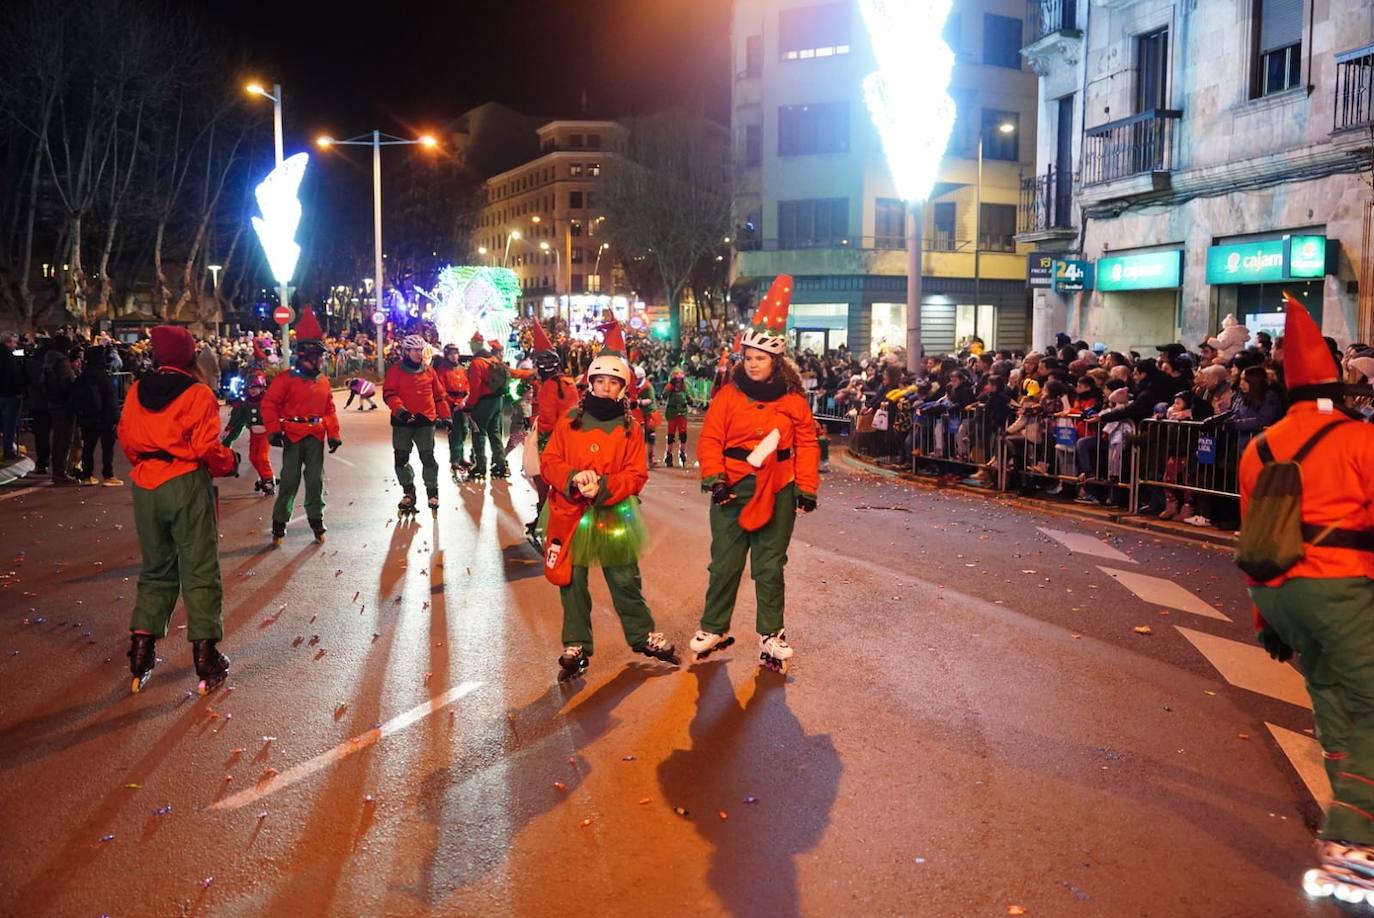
{"x": 1006, "y": 127}
{"x": 376, "y": 140}
{"x": 557, "y": 272}
{"x": 513, "y": 234}
{"x": 256, "y": 89}
{"x": 214, "y": 276}
{"x": 909, "y": 102}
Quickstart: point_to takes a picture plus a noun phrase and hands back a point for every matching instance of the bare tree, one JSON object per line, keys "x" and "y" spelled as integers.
{"x": 666, "y": 199}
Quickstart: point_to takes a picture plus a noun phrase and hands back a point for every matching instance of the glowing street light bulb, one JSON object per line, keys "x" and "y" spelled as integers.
{"x": 324, "y": 141}
{"x": 481, "y": 250}
{"x": 515, "y": 234}
{"x": 543, "y": 246}
{"x": 255, "y": 89}
{"x": 428, "y": 141}
{"x": 536, "y": 219}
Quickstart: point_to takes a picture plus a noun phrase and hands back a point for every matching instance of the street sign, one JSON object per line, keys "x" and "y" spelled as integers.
{"x": 378, "y": 317}
{"x": 1305, "y": 256}
{"x": 283, "y": 315}
{"x": 1039, "y": 270}
{"x": 1072, "y": 275}
{"x": 1146, "y": 271}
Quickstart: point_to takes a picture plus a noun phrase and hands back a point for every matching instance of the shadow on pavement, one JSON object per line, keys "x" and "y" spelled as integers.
{"x": 753, "y": 750}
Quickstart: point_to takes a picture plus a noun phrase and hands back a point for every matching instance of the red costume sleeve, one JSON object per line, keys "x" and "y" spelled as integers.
{"x": 711, "y": 443}
{"x": 477, "y": 379}
{"x": 806, "y": 450}
{"x": 204, "y": 433}
{"x": 440, "y": 396}
{"x": 632, "y": 475}
{"x": 554, "y": 466}
{"x": 391, "y": 393}
{"x": 273, "y": 401}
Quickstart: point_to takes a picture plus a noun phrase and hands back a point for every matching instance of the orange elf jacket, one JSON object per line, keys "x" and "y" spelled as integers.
{"x": 300, "y": 407}
{"x": 419, "y": 392}
{"x": 1337, "y": 486}
{"x": 454, "y": 381}
{"x": 735, "y": 424}
{"x": 169, "y": 427}
{"x": 556, "y": 398}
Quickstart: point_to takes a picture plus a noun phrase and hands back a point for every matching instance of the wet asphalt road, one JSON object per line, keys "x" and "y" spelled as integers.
{"x": 971, "y": 723}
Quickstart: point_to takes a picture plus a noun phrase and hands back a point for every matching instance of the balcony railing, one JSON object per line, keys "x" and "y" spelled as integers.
{"x": 1137, "y": 145}
{"x": 1046, "y": 202}
{"x": 1049, "y": 17}
{"x": 1354, "y": 89}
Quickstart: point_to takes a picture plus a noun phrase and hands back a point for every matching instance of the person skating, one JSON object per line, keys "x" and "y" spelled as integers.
{"x": 1322, "y": 606}
{"x": 645, "y": 410}
{"x": 453, "y": 379}
{"x": 248, "y": 414}
{"x": 298, "y": 412}
{"x": 760, "y": 463}
{"x": 488, "y": 377}
{"x": 363, "y": 390}
{"x": 557, "y": 395}
{"x": 170, "y": 433}
{"x": 596, "y": 466}
{"x": 675, "y": 410}
{"x": 418, "y": 403}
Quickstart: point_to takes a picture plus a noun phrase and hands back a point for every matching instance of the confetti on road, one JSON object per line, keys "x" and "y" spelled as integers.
{"x": 1143, "y": 629}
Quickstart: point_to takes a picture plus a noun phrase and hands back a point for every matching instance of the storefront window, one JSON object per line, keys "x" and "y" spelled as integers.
{"x": 888, "y": 328}
{"x": 1260, "y": 306}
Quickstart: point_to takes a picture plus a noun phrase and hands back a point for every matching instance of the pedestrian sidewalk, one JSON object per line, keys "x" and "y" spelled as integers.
{"x": 846, "y": 459}
{"x": 11, "y": 471}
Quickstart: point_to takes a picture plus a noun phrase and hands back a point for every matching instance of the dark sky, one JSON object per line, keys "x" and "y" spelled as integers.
{"x": 347, "y": 68}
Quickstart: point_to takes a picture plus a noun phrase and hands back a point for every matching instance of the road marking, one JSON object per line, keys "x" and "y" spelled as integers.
{"x": 345, "y": 749}
{"x": 343, "y": 460}
{"x": 1158, "y": 591}
{"x": 1305, "y": 755}
{"x": 1248, "y": 666}
{"x": 1085, "y": 545}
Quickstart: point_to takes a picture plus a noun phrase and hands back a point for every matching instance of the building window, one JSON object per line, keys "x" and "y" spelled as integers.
{"x": 575, "y": 228}
{"x": 593, "y": 141}
{"x": 1152, "y": 71}
{"x": 753, "y": 146}
{"x": 579, "y": 283}
{"x": 997, "y": 228}
{"x": 593, "y": 283}
{"x": 818, "y": 128}
{"x": 819, "y": 222}
{"x": 889, "y": 224}
{"x": 591, "y": 200}
{"x": 575, "y": 200}
{"x": 814, "y": 31}
{"x": 1278, "y": 48}
{"x": 944, "y": 240}
{"x": 575, "y": 170}
{"x": 594, "y": 170}
{"x": 753, "y": 56}
{"x": 999, "y": 144}
{"x": 1001, "y": 41}
{"x": 578, "y": 255}
{"x": 576, "y": 141}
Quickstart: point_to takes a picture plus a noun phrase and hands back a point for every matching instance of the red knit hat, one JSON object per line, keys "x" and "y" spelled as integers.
{"x": 173, "y": 346}
{"x": 308, "y": 327}
{"x": 1307, "y": 360}
{"x": 541, "y": 337}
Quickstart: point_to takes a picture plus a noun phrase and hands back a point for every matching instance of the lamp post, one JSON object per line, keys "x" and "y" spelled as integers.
{"x": 283, "y": 293}
{"x": 557, "y": 270}
{"x": 1005, "y": 127}
{"x": 376, "y": 140}
{"x": 505, "y": 258}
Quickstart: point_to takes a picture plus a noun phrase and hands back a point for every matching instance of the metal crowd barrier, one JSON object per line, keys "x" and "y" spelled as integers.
{"x": 957, "y": 441}
{"x": 1192, "y": 457}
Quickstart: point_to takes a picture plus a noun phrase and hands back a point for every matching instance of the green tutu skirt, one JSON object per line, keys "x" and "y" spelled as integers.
{"x": 606, "y": 536}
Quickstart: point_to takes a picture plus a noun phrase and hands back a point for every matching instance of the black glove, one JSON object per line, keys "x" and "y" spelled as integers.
{"x": 401, "y": 416}
{"x": 334, "y": 445}
{"x": 443, "y": 424}
{"x": 237, "y": 459}
{"x": 277, "y": 439}
{"x": 805, "y": 504}
{"x": 1275, "y": 645}
{"x": 721, "y": 494}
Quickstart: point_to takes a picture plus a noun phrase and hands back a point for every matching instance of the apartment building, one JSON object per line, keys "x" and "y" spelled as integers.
{"x": 1198, "y": 159}
{"x": 814, "y": 197}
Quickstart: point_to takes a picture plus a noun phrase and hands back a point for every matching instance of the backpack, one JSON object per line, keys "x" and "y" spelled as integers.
{"x": 1271, "y": 536}
{"x": 498, "y": 377}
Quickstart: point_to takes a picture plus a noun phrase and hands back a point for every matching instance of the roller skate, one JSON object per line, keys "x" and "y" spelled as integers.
{"x": 460, "y": 471}
{"x": 434, "y": 502}
{"x": 500, "y": 473}
{"x": 278, "y": 533}
{"x": 1345, "y": 871}
{"x": 265, "y": 485}
{"x": 406, "y": 508}
{"x": 572, "y": 663}
{"x": 532, "y": 536}
{"x": 478, "y": 476}
{"x": 704, "y": 643}
{"x": 142, "y": 659}
{"x": 317, "y": 527}
{"x": 657, "y": 646}
{"x": 682, "y": 456}
{"x": 668, "y": 459}
{"x": 774, "y": 651}
{"x": 211, "y": 666}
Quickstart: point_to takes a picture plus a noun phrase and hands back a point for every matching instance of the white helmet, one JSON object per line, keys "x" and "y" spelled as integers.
{"x": 763, "y": 341}
{"x": 412, "y": 341}
{"x": 639, "y": 374}
{"x": 609, "y": 364}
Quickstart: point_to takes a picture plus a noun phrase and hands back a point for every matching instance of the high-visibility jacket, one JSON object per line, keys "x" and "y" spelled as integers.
{"x": 300, "y": 406}
{"x": 417, "y": 391}
{"x": 170, "y": 427}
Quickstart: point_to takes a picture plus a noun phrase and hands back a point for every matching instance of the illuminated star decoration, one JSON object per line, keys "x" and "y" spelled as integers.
{"x": 475, "y": 298}
{"x": 281, "y": 215}
{"x": 908, "y": 95}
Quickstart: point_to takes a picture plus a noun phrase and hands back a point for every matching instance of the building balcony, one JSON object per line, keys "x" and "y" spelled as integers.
{"x": 1053, "y": 35}
{"x": 1132, "y": 155}
{"x": 1046, "y": 210}
{"x": 1354, "y": 106}
{"x": 942, "y": 256}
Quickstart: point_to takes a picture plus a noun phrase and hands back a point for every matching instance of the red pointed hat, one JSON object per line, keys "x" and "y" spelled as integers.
{"x": 308, "y": 327}
{"x": 541, "y": 337}
{"x": 611, "y": 361}
{"x": 1307, "y": 359}
{"x": 767, "y": 331}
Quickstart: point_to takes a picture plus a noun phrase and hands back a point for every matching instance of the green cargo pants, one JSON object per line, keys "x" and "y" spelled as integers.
{"x": 423, "y": 439}
{"x": 1330, "y": 625}
{"x": 767, "y": 553}
{"x": 626, "y": 596}
{"x": 486, "y": 430}
{"x": 304, "y": 456}
{"x": 179, "y": 537}
{"x": 457, "y": 438}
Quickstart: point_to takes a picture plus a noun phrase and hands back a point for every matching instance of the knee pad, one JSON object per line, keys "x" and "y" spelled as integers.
{"x": 682, "y": 437}
{"x": 402, "y": 456}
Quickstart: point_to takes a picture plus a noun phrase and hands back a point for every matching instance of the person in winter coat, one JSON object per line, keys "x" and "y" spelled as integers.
{"x": 96, "y": 409}
{"x": 248, "y": 413}
{"x": 36, "y": 399}
{"x": 675, "y": 410}
{"x": 644, "y": 408}
{"x": 298, "y": 412}
{"x": 418, "y": 404}
{"x": 12, "y": 384}
{"x": 58, "y": 379}
{"x": 557, "y": 395}
{"x": 170, "y": 433}
{"x": 596, "y": 466}
{"x": 453, "y": 379}
{"x": 760, "y": 463}
{"x": 487, "y": 380}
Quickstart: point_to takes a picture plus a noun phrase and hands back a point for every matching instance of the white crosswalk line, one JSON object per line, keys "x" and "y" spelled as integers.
{"x": 1305, "y": 755}
{"x": 1161, "y": 592}
{"x": 1086, "y": 545}
{"x": 1249, "y": 667}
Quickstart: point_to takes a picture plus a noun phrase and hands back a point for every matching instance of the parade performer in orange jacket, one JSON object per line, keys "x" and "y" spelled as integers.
{"x": 298, "y": 412}
{"x": 170, "y": 432}
{"x": 557, "y": 395}
{"x": 488, "y": 377}
{"x": 1322, "y": 606}
{"x": 453, "y": 379}
{"x": 760, "y": 462}
{"x": 595, "y": 466}
{"x": 418, "y": 404}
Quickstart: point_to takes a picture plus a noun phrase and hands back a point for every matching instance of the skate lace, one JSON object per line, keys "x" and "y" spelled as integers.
{"x": 656, "y": 640}
{"x": 776, "y": 640}
{"x": 573, "y": 652}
